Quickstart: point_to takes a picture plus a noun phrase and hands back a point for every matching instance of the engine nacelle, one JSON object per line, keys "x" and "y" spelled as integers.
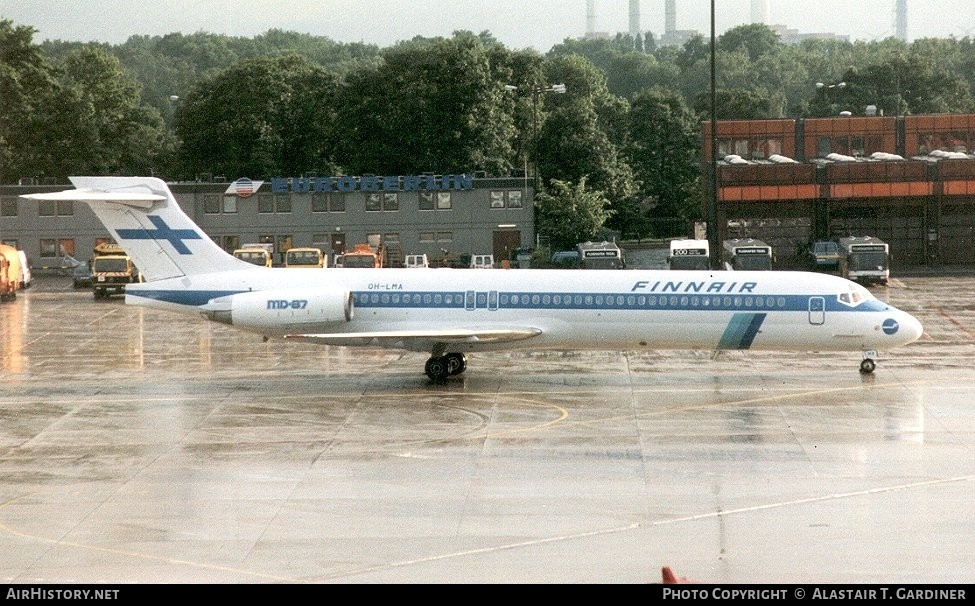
{"x": 283, "y": 311}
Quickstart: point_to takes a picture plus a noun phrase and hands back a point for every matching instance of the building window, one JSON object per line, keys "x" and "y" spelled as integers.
{"x": 51, "y": 248}
{"x": 282, "y": 203}
{"x": 55, "y": 208}
{"x": 8, "y": 207}
{"x": 319, "y": 203}
{"x": 426, "y": 200}
{"x": 443, "y": 200}
{"x": 265, "y": 203}
{"x": 514, "y": 198}
{"x": 373, "y": 203}
{"x": 391, "y": 201}
{"x": 391, "y": 240}
{"x": 497, "y": 199}
{"x": 428, "y": 236}
{"x": 211, "y": 204}
{"x": 336, "y": 204}
{"x": 230, "y": 204}
{"x": 445, "y": 236}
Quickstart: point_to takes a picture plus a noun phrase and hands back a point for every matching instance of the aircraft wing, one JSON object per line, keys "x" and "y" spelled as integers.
{"x": 420, "y": 339}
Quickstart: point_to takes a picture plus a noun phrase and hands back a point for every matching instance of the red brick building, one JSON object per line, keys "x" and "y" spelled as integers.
{"x": 908, "y": 180}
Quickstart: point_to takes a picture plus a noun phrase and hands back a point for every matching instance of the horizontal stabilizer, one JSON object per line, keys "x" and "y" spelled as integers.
{"x": 90, "y": 195}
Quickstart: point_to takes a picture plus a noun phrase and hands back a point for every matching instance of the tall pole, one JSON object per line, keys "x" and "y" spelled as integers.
{"x": 712, "y": 218}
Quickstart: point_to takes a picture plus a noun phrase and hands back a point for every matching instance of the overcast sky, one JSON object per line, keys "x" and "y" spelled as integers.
{"x": 538, "y": 24}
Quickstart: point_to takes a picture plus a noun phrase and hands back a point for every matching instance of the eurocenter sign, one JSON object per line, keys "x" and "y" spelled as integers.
{"x": 304, "y": 185}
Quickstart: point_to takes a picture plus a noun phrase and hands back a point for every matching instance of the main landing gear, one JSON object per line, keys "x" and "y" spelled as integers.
{"x": 867, "y": 365}
{"x": 439, "y": 367}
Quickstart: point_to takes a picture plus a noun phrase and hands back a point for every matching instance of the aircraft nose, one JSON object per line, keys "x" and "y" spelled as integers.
{"x": 913, "y": 327}
{"x": 909, "y": 328}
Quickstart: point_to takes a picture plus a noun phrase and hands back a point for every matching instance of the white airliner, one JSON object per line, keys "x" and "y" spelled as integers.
{"x": 450, "y": 312}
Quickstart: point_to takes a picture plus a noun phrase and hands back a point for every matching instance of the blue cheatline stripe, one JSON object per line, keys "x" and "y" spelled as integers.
{"x": 741, "y": 331}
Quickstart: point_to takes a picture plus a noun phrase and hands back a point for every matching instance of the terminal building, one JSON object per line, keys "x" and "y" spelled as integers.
{"x": 437, "y": 215}
{"x": 907, "y": 180}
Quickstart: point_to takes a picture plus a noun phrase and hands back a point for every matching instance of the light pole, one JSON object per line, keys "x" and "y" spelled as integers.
{"x": 827, "y": 90}
{"x": 535, "y": 93}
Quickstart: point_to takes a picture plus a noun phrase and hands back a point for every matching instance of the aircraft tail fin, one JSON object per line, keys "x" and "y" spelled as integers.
{"x": 142, "y": 215}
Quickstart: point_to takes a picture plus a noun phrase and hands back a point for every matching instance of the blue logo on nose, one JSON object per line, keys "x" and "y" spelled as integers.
{"x": 890, "y": 326}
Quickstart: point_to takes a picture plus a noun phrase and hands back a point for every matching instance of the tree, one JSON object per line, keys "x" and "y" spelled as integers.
{"x": 124, "y": 136}
{"x": 734, "y": 104}
{"x": 581, "y": 131}
{"x": 757, "y": 39}
{"x": 29, "y": 96}
{"x": 570, "y": 214}
{"x": 663, "y": 150}
{"x": 260, "y": 118}
{"x": 431, "y": 105}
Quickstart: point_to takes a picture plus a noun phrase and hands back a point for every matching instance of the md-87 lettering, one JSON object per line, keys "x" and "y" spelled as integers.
{"x": 285, "y": 304}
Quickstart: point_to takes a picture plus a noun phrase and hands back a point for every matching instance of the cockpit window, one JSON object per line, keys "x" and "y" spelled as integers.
{"x": 855, "y": 296}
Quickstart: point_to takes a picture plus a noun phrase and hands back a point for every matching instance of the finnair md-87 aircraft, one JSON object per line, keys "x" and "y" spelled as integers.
{"x": 451, "y": 312}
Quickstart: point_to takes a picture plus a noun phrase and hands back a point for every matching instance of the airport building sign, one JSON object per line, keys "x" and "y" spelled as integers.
{"x": 371, "y": 183}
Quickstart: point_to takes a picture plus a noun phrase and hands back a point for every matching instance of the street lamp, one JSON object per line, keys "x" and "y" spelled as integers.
{"x": 827, "y": 90}
{"x": 535, "y": 93}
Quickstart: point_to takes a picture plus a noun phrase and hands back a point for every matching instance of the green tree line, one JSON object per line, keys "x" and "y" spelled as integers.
{"x": 619, "y": 148}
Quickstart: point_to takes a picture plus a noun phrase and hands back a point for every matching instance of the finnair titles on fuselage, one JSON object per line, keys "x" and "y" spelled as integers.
{"x": 695, "y": 286}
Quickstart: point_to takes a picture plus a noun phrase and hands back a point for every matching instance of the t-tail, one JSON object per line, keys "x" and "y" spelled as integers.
{"x": 144, "y": 218}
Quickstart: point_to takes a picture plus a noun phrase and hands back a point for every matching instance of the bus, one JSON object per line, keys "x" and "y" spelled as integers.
{"x": 746, "y": 254}
{"x": 305, "y": 257}
{"x": 600, "y": 255}
{"x": 255, "y": 254}
{"x": 864, "y": 259}
{"x": 689, "y": 254}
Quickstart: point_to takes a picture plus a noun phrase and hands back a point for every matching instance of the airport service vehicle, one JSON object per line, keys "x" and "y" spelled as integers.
{"x": 18, "y": 273}
{"x": 824, "y": 255}
{"x": 864, "y": 259}
{"x": 8, "y": 284}
{"x": 689, "y": 254}
{"x": 255, "y": 254}
{"x": 740, "y": 254}
{"x": 482, "y": 261}
{"x": 448, "y": 314}
{"x": 363, "y": 255}
{"x": 416, "y": 261}
{"x": 81, "y": 275}
{"x": 600, "y": 255}
{"x": 305, "y": 257}
{"x": 112, "y": 270}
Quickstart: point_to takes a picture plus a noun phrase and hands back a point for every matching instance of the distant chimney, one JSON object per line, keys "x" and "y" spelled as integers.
{"x": 670, "y": 16}
{"x": 760, "y": 11}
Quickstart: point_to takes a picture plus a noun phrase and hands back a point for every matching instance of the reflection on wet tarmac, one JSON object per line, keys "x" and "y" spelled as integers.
{"x": 142, "y": 447}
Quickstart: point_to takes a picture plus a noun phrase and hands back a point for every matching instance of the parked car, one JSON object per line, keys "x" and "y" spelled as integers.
{"x": 81, "y": 276}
